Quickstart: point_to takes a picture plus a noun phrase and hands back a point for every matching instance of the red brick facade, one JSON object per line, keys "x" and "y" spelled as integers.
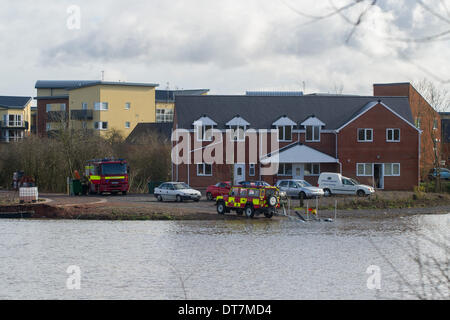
{"x": 342, "y": 145}
{"x": 420, "y": 108}
{"x": 42, "y": 113}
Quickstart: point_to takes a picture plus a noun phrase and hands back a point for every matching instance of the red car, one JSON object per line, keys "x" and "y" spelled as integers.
{"x": 220, "y": 189}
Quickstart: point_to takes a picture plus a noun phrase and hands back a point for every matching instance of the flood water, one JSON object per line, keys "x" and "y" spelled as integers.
{"x": 220, "y": 259}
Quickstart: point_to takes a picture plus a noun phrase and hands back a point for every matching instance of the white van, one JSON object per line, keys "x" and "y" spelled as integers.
{"x": 335, "y": 183}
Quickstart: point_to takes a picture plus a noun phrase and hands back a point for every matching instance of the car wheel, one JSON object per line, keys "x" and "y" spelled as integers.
{"x": 249, "y": 211}
{"x": 327, "y": 192}
{"x": 209, "y": 196}
{"x": 179, "y": 198}
{"x": 221, "y": 209}
{"x": 361, "y": 193}
{"x": 302, "y": 195}
{"x": 159, "y": 198}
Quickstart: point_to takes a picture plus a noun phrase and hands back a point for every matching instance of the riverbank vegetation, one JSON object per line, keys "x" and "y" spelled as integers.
{"x": 49, "y": 161}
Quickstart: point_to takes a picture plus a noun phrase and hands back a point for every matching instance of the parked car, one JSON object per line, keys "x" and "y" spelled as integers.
{"x": 254, "y": 184}
{"x": 176, "y": 191}
{"x": 335, "y": 183}
{"x": 219, "y": 189}
{"x": 299, "y": 188}
{"x": 443, "y": 172}
{"x": 250, "y": 200}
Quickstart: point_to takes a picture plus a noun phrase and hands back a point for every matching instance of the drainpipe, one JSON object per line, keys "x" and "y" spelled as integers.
{"x": 336, "y": 147}
{"x": 419, "y": 158}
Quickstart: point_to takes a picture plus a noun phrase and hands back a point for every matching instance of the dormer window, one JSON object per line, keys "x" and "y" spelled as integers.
{"x": 285, "y": 127}
{"x": 204, "y": 128}
{"x": 313, "y": 126}
{"x": 238, "y": 126}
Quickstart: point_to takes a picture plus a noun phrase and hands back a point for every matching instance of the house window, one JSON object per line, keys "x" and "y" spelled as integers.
{"x": 48, "y": 108}
{"x": 312, "y": 169}
{"x": 285, "y": 133}
{"x": 435, "y": 124}
{"x": 62, "y": 107}
{"x": 204, "y": 133}
{"x": 84, "y": 124}
{"x": 238, "y": 133}
{"x": 364, "y": 170}
{"x": 48, "y": 127}
{"x": 84, "y": 106}
{"x": 393, "y": 135}
{"x": 252, "y": 170}
{"x": 418, "y": 121}
{"x": 392, "y": 169}
{"x": 127, "y": 106}
{"x": 312, "y": 134}
{"x": 204, "y": 169}
{"x": 127, "y": 125}
{"x": 285, "y": 169}
{"x": 14, "y": 120}
{"x": 164, "y": 115}
{"x": 101, "y": 106}
{"x": 365, "y": 135}
{"x": 101, "y": 125}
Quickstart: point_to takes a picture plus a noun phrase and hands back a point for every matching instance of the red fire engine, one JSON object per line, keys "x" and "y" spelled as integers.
{"x": 107, "y": 175}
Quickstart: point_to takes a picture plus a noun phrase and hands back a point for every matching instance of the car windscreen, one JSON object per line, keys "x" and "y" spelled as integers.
{"x": 304, "y": 183}
{"x": 354, "y": 181}
{"x": 180, "y": 186}
{"x": 114, "y": 169}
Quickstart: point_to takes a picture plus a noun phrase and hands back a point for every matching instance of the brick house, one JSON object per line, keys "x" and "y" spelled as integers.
{"x": 425, "y": 118}
{"x": 370, "y": 139}
{"x": 445, "y": 140}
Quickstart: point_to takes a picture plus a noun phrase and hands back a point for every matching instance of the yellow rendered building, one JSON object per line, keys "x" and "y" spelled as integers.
{"x": 15, "y": 118}
{"x": 99, "y": 106}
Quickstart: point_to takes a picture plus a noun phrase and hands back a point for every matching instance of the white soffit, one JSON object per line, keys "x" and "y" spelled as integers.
{"x": 205, "y": 121}
{"x": 313, "y": 121}
{"x": 238, "y": 121}
{"x": 299, "y": 154}
{"x": 284, "y": 121}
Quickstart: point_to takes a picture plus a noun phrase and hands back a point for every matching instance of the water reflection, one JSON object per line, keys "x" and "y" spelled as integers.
{"x": 212, "y": 260}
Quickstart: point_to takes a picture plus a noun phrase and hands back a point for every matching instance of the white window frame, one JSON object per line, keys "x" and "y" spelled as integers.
{"x": 234, "y": 136}
{"x": 201, "y": 133}
{"x": 312, "y": 169}
{"x": 365, "y": 174}
{"x": 392, "y": 170}
{"x": 393, "y": 135}
{"x": 100, "y": 125}
{"x": 365, "y": 134}
{"x": 251, "y": 167}
{"x": 285, "y": 174}
{"x": 284, "y": 133}
{"x": 203, "y": 166}
{"x": 101, "y": 106}
{"x": 313, "y": 131}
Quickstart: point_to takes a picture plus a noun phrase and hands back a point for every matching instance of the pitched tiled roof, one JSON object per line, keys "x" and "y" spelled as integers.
{"x": 10, "y": 102}
{"x": 164, "y": 130}
{"x": 261, "y": 112}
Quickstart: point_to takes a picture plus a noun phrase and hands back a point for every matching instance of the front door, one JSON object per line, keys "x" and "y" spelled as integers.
{"x": 378, "y": 175}
{"x": 239, "y": 173}
{"x": 298, "y": 171}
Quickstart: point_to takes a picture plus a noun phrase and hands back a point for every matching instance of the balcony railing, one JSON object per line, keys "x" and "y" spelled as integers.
{"x": 57, "y": 116}
{"x": 81, "y": 114}
{"x": 14, "y": 124}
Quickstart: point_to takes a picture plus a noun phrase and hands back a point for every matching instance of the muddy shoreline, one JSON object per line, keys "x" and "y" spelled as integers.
{"x": 114, "y": 213}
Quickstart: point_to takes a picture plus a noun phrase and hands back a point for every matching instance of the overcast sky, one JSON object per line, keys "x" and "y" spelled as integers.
{"x": 228, "y": 46}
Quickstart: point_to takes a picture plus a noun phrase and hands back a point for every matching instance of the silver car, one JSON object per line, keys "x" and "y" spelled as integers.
{"x": 299, "y": 188}
{"x": 176, "y": 191}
